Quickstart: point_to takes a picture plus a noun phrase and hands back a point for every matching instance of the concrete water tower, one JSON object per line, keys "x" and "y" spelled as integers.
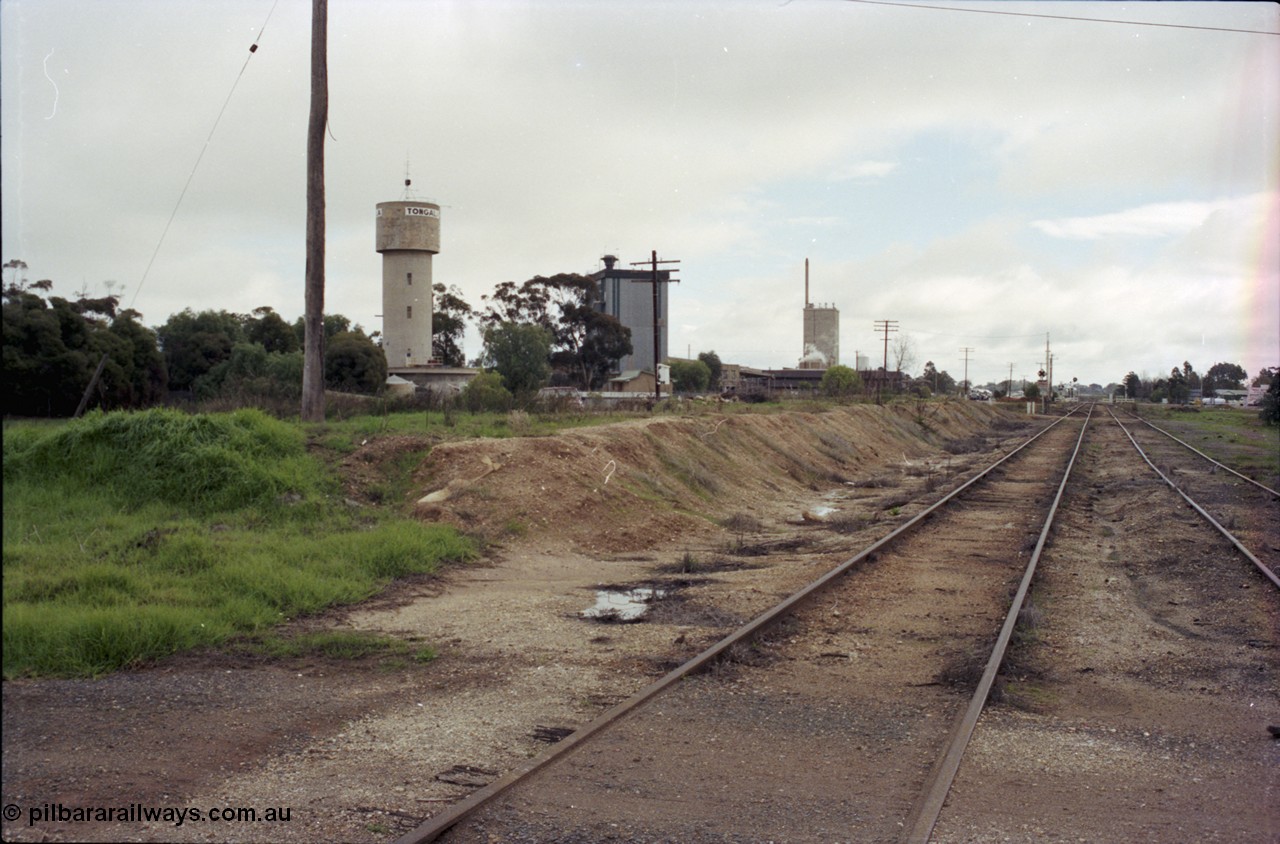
{"x": 408, "y": 235}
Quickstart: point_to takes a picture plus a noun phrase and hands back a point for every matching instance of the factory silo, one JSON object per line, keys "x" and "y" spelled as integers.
{"x": 821, "y": 331}
{"x": 408, "y": 234}
{"x": 821, "y": 336}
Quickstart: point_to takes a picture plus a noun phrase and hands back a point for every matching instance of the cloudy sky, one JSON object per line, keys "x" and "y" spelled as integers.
{"x": 982, "y": 179}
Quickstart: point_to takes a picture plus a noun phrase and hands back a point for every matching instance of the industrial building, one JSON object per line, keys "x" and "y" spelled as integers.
{"x": 821, "y": 332}
{"x": 627, "y": 296}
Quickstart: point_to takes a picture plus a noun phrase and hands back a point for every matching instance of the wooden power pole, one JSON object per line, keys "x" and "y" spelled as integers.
{"x": 313, "y": 320}
{"x": 657, "y": 333}
{"x": 887, "y": 326}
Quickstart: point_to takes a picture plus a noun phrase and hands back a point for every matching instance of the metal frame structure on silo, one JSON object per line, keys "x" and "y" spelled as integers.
{"x": 408, "y": 235}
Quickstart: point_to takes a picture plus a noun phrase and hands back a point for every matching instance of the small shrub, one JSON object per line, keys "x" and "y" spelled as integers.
{"x": 963, "y": 669}
{"x": 486, "y": 392}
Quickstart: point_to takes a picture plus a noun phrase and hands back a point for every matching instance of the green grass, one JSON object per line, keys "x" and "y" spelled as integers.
{"x": 200, "y": 464}
{"x": 132, "y": 536}
{"x": 339, "y": 644}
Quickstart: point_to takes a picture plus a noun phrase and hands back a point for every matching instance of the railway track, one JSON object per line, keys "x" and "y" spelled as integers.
{"x": 1144, "y": 696}
{"x": 843, "y": 713}
{"x": 1244, "y": 510}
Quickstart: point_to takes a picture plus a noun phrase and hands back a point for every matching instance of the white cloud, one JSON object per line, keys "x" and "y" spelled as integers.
{"x": 815, "y": 222}
{"x": 1165, "y": 219}
{"x": 864, "y": 170}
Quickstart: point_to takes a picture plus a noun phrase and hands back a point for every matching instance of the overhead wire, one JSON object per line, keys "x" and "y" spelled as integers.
{"x": 977, "y": 336}
{"x": 253, "y": 48}
{"x": 1063, "y": 17}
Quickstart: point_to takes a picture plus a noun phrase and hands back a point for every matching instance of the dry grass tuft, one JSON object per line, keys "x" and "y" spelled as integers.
{"x": 848, "y": 522}
{"x": 742, "y": 523}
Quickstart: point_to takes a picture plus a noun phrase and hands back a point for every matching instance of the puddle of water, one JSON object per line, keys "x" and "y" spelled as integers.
{"x": 628, "y": 605}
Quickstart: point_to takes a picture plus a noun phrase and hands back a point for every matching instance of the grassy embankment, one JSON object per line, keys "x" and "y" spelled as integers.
{"x": 129, "y": 537}
{"x": 1232, "y": 435}
{"x": 133, "y": 536}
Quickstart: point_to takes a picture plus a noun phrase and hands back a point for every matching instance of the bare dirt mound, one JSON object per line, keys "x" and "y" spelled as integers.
{"x": 638, "y": 484}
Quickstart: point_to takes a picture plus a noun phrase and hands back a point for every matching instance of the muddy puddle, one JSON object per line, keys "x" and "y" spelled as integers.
{"x": 622, "y": 605}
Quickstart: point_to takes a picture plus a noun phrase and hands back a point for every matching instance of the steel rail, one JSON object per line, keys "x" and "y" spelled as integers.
{"x": 438, "y": 824}
{"x": 1260, "y": 486}
{"x": 1258, "y": 564}
{"x": 924, "y": 815}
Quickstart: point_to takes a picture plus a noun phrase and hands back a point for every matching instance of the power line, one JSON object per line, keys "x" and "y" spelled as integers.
{"x": 253, "y": 48}
{"x": 976, "y": 336}
{"x": 1065, "y": 17}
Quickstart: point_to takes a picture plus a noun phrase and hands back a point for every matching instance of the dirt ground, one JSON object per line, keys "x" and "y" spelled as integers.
{"x": 822, "y": 729}
{"x": 726, "y": 513}
{"x": 1133, "y": 707}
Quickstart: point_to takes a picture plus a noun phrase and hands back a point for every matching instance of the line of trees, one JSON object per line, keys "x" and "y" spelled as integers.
{"x": 53, "y": 346}
{"x": 1181, "y": 381}
{"x": 1177, "y": 387}
{"x": 542, "y": 331}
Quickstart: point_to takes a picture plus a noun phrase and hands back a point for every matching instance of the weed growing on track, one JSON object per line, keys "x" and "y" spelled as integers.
{"x": 130, "y": 536}
{"x": 1020, "y": 673}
